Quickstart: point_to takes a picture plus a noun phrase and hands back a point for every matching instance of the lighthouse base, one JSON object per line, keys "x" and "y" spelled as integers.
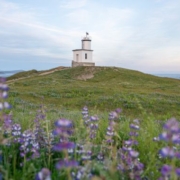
{"x": 75, "y": 64}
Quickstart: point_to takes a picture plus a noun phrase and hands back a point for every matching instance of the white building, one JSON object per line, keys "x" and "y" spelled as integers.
{"x": 83, "y": 57}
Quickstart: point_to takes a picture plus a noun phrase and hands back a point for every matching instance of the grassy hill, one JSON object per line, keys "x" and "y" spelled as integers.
{"x": 100, "y": 88}
{"x": 63, "y": 92}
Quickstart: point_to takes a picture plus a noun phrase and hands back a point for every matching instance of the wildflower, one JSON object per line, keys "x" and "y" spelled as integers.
{"x": 177, "y": 172}
{"x": 133, "y": 126}
{"x": 7, "y": 126}
{"x": 64, "y": 145}
{"x": 94, "y": 118}
{"x": 63, "y": 123}
{"x": 133, "y": 153}
{"x": 100, "y": 156}
{"x": 66, "y": 163}
{"x": 86, "y": 155}
{"x": 44, "y": 174}
{"x": 85, "y": 111}
{"x": 16, "y": 132}
{"x": 114, "y": 114}
{"x": 128, "y": 157}
{"x": 167, "y": 152}
{"x": 64, "y": 129}
{"x": 93, "y": 126}
{"x": 172, "y": 137}
{"x": 85, "y": 114}
{"x": 29, "y": 144}
{"x": 165, "y": 170}
{"x": 172, "y": 125}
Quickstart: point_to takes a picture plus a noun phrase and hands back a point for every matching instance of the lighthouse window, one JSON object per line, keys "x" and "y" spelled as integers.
{"x": 86, "y": 56}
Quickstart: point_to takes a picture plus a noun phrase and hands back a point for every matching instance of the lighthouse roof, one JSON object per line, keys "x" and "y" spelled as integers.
{"x": 86, "y": 38}
{"x": 82, "y": 50}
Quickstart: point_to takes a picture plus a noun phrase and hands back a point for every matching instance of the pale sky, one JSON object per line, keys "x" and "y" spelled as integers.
{"x": 141, "y": 35}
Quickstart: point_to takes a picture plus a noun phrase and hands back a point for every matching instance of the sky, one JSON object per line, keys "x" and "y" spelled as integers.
{"x": 142, "y": 35}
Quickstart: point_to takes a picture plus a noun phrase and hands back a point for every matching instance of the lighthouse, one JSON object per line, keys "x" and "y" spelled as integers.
{"x": 83, "y": 57}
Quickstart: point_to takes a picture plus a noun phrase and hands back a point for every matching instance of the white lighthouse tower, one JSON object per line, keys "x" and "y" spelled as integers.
{"x": 83, "y": 57}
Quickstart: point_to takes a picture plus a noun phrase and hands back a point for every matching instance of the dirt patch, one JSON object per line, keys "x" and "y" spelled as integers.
{"x": 49, "y": 72}
{"x": 53, "y": 70}
{"x": 87, "y": 74}
{"x": 85, "y": 77}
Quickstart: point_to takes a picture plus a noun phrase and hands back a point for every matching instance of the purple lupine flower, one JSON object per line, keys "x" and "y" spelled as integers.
{"x": 44, "y": 174}
{"x": 110, "y": 132}
{"x": 86, "y": 155}
{"x": 177, "y": 155}
{"x": 7, "y": 126}
{"x": 64, "y": 129}
{"x": 176, "y": 138}
{"x": 4, "y": 95}
{"x": 94, "y": 118}
{"x": 114, "y": 114}
{"x": 63, "y": 123}
{"x": 40, "y": 135}
{"x": 171, "y": 135}
{"x": 100, "y": 156}
{"x": 128, "y": 157}
{"x": 85, "y": 114}
{"x": 5, "y": 105}
{"x": 64, "y": 145}
{"x": 3, "y": 86}
{"x": 166, "y": 170}
{"x": 16, "y": 129}
{"x": 124, "y": 148}
{"x": 29, "y": 144}
{"x": 133, "y": 126}
{"x": 177, "y": 172}
{"x": 66, "y": 164}
{"x": 172, "y": 125}
{"x": 109, "y": 141}
{"x": 85, "y": 111}
{"x": 131, "y": 142}
{"x": 93, "y": 126}
{"x": 81, "y": 174}
{"x": 133, "y": 133}
{"x": 133, "y": 153}
{"x": 16, "y": 132}
{"x": 167, "y": 152}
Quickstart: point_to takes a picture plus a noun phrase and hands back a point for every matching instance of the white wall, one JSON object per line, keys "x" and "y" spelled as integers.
{"x": 89, "y": 56}
{"x": 82, "y": 56}
{"x": 86, "y": 45}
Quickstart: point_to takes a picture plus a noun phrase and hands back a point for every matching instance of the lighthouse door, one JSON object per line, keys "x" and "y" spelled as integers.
{"x": 77, "y": 57}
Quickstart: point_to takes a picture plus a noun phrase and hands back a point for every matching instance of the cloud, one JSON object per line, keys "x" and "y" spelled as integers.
{"x": 73, "y": 4}
{"x": 122, "y": 35}
{"x": 25, "y": 34}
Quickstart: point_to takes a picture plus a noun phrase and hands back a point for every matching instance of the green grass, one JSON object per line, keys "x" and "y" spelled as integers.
{"x": 110, "y": 87}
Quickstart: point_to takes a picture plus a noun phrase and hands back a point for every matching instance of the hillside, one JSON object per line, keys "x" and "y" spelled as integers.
{"x": 101, "y": 88}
